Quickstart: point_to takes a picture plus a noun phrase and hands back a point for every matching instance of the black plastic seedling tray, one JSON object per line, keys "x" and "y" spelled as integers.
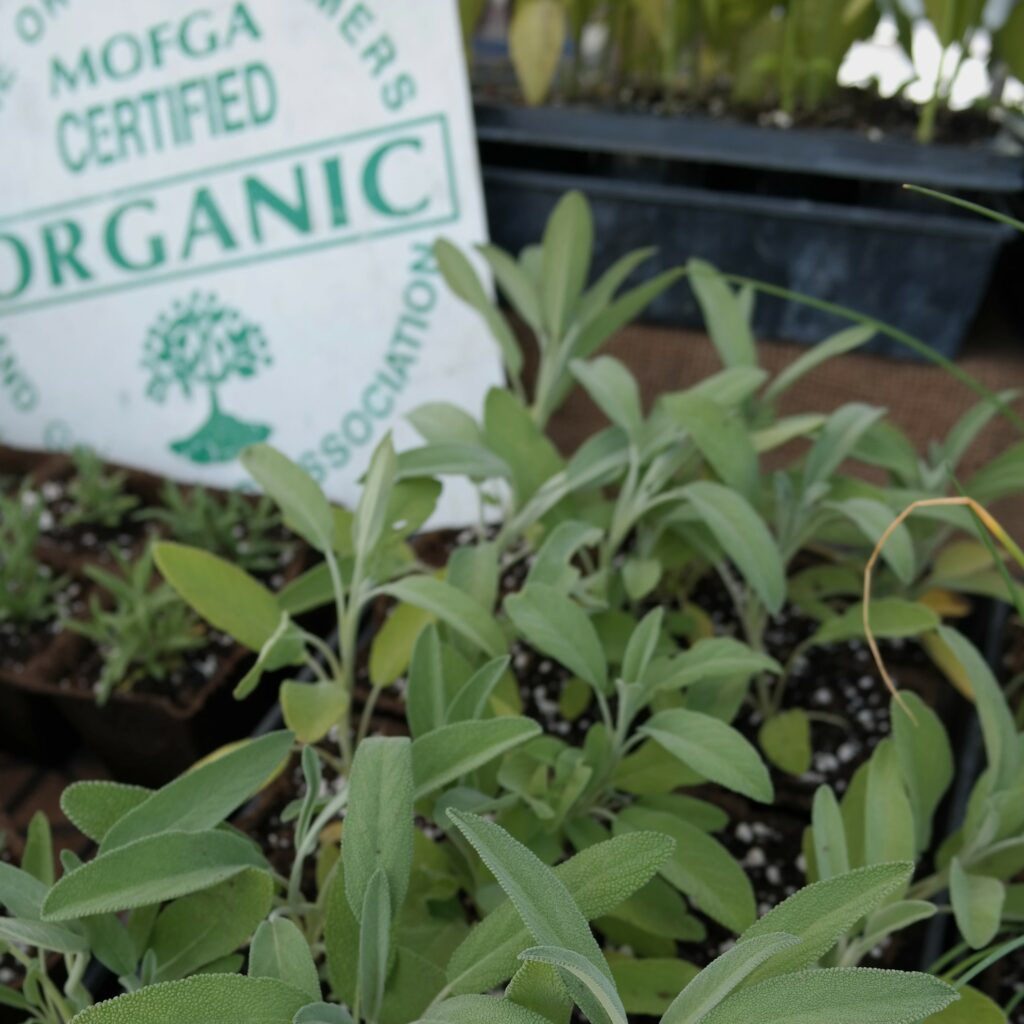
{"x": 818, "y": 212}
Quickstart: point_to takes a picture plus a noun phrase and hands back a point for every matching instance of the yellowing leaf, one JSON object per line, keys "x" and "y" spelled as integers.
{"x": 946, "y": 603}
{"x": 535, "y": 41}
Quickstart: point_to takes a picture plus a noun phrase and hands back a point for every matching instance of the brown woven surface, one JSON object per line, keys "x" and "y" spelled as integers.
{"x": 922, "y": 399}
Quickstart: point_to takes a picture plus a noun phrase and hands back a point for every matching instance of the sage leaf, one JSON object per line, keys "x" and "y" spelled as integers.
{"x": 425, "y": 695}
{"x": 598, "y": 878}
{"x": 205, "y": 796}
{"x": 785, "y": 739}
{"x": 225, "y": 595}
{"x": 727, "y": 322}
{"x": 375, "y": 917}
{"x": 840, "y": 996}
{"x": 888, "y": 816}
{"x": 829, "y": 835}
{"x": 552, "y": 565}
{"x": 311, "y": 709}
{"x": 743, "y": 536}
{"x": 279, "y": 950}
{"x": 199, "y": 929}
{"x": 94, "y": 806}
{"x": 701, "y": 868}
{"x": 21, "y": 894}
{"x": 378, "y": 834}
{"x": 613, "y": 389}
{"x": 202, "y": 999}
{"x": 647, "y": 986}
{"x": 151, "y": 870}
{"x": 446, "y": 754}
{"x": 305, "y": 508}
{"x": 997, "y": 725}
{"x": 569, "y": 233}
{"x": 925, "y": 758}
{"x": 453, "y": 607}
{"x": 480, "y": 1010}
{"x": 42, "y": 935}
{"x": 597, "y": 983}
{"x": 559, "y": 628}
{"x": 723, "y": 975}
{"x": 720, "y": 436}
{"x": 977, "y": 904}
{"x": 820, "y": 913}
{"x": 541, "y": 898}
{"x": 371, "y": 514}
{"x": 471, "y": 701}
{"x": 323, "y": 1013}
{"x": 462, "y": 279}
{"x": 711, "y": 747}
{"x": 837, "y": 440}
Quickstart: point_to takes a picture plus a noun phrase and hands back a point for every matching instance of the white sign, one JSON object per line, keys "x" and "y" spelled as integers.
{"x": 216, "y": 220}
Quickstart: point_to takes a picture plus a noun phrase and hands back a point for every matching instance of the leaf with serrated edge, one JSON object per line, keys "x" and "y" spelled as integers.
{"x": 151, "y": 870}
{"x": 205, "y": 796}
{"x": 839, "y": 996}
{"x": 202, "y": 999}
{"x": 820, "y": 913}
{"x": 541, "y": 898}
{"x": 598, "y": 879}
{"x": 723, "y": 975}
{"x": 598, "y": 984}
{"x": 378, "y": 831}
{"x": 445, "y": 754}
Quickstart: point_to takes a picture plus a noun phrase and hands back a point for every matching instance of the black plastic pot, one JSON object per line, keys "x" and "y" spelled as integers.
{"x": 819, "y": 212}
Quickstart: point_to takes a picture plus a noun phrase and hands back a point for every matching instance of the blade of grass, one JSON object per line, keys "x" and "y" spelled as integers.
{"x": 965, "y": 204}
{"x": 897, "y": 335}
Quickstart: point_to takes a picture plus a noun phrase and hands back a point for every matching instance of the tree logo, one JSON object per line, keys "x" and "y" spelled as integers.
{"x": 196, "y": 349}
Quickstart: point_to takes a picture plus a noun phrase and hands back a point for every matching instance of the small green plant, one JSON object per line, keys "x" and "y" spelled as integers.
{"x": 547, "y": 288}
{"x": 889, "y": 811}
{"x": 231, "y": 525}
{"x": 170, "y": 892}
{"x": 146, "y": 632}
{"x": 98, "y": 495}
{"x": 388, "y": 923}
{"x": 365, "y": 559}
{"x": 29, "y": 590}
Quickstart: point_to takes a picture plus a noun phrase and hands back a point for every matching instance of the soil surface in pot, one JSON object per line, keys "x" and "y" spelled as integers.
{"x": 21, "y": 644}
{"x": 850, "y": 109}
{"x": 86, "y": 541}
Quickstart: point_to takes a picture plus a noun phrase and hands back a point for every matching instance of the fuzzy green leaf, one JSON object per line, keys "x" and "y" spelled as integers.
{"x": 714, "y": 749}
{"x": 839, "y": 996}
{"x": 223, "y": 594}
{"x": 305, "y": 508}
{"x": 820, "y": 913}
{"x": 202, "y": 999}
{"x": 378, "y": 831}
{"x": 446, "y": 754}
{"x": 453, "y": 607}
{"x": 151, "y": 870}
{"x": 743, "y": 537}
{"x": 94, "y": 806}
{"x": 279, "y": 950}
{"x": 558, "y": 627}
{"x": 541, "y": 898}
{"x": 599, "y": 879}
{"x": 204, "y": 797}
{"x": 723, "y": 975}
{"x": 200, "y": 929}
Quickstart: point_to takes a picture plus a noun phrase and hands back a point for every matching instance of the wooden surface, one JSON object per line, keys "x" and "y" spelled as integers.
{"x": 922, "y": 399}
